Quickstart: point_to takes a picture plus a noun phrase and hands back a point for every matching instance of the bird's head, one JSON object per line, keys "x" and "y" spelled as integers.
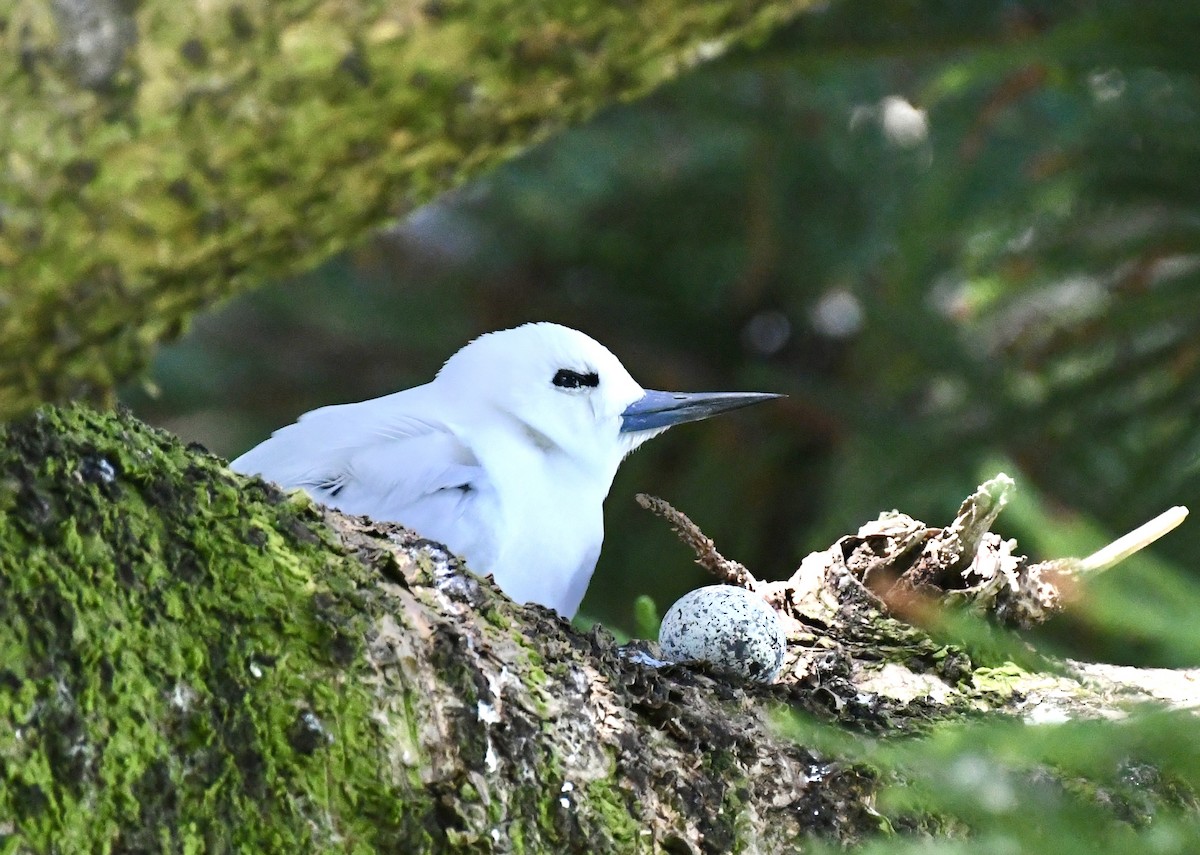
{"x": 565, "y": 393}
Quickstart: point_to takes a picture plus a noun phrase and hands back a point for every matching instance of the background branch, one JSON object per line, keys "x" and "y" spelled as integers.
{"x": 161, "y": 159}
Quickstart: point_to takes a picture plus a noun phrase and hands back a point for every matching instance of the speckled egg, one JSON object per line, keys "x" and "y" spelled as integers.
{"x": 726, "y": 626}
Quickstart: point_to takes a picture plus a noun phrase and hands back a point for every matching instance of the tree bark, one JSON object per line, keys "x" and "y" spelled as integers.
{"x": 194, "y": 661}
{"x": 160, "y": 156}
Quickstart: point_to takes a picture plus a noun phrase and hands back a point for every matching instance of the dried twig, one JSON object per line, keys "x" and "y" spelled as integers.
{"x": 1128, "y": 544}
{"x": 729, "y": 572}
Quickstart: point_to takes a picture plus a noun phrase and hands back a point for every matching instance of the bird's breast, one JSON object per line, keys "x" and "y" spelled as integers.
{"x": 549, "y": 543}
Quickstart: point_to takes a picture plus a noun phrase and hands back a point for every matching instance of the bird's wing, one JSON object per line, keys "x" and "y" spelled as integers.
{"x": 376, "y": 457}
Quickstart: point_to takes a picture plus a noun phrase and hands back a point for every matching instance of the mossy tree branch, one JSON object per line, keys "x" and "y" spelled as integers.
{"x": 197, "y": 662}
{"x": 194, "y": 661}
{"x": 156, "y": 160}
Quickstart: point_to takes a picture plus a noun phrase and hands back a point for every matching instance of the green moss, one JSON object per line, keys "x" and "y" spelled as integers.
{"x": 179, "y": 655}
{"x": 537, "y": 677}
{"x": 1002, "y": 680}
{"x": 609, "y": 801}
{"x": 531, "y": 652}
{"x": 496, "y": 618}
{"x": 721, "y": 820}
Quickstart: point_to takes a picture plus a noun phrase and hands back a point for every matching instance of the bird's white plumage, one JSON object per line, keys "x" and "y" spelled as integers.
{"x": 490, "y": 458}
{"x": 506, "y": 456}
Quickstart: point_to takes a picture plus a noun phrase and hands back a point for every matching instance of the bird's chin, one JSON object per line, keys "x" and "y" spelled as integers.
{"x": 634, "y": 439}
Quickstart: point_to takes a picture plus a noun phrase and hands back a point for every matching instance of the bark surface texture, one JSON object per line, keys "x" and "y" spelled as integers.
{"x": 193, "y": 661}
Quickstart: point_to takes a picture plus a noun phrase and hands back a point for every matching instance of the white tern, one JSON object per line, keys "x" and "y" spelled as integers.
{"x": 506, "y": 456}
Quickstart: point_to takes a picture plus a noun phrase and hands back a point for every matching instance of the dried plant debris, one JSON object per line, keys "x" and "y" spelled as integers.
{"x": 861, "y": 602}
{"x": 905, "y": 565}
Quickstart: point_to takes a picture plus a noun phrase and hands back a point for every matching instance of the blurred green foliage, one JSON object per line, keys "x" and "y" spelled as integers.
{"x": 950, "y": 232}
{"x": 1081, "y": 787}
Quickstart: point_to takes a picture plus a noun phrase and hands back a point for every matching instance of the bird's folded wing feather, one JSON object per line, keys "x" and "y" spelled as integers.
{"x": 376, "y": 458}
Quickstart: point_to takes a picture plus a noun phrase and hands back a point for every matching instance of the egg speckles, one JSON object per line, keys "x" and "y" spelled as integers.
{"x": 729, "y": 627}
